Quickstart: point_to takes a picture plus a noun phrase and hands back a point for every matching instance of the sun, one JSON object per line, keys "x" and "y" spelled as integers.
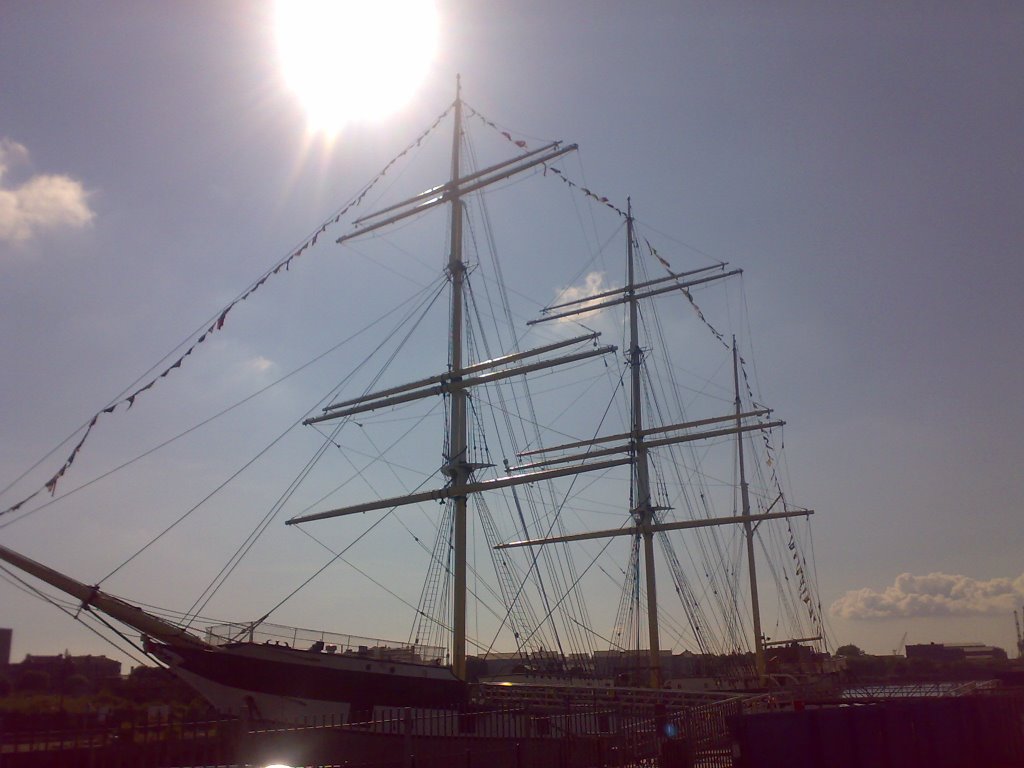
{"x": 354, "y": 59}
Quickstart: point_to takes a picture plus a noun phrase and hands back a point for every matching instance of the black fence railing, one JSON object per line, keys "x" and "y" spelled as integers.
{"x": 400, "y": 738}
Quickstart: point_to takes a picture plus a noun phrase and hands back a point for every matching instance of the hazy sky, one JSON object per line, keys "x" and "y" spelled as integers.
{"x": 863, "y": 162}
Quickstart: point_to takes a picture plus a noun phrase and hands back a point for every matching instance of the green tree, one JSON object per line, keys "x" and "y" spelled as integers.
{"x": 850, "y": 651}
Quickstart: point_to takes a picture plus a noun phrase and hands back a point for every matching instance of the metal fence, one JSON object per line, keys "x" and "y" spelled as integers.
{"x": 471, "y": 738}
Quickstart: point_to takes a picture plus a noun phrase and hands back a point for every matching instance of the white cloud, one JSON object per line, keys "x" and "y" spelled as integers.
{"x": 42, "y": 202}
{"x": 592, "y": 284}
{"x": 936, "y": 594}
{"x": 258, "y": 365}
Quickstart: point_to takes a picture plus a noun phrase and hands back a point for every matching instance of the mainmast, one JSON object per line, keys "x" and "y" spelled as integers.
{"x": 459, "y": 377}
{"x": 457, "y": 467}
{"x": 748, "y": 528}
{"x": 630, "y": 448}
{"x": 643, "y": 511}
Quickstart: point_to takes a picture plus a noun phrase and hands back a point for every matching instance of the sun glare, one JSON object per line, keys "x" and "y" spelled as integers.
{"x": 354, "y": 59}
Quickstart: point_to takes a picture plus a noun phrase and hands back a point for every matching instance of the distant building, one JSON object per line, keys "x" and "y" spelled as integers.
{"x": 954, "y": 652}
{"x": 5, "y": 646}
{"x": 94, "y": 668}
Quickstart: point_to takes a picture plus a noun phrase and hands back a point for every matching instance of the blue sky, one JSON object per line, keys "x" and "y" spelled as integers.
{"x": 862, "y": 163}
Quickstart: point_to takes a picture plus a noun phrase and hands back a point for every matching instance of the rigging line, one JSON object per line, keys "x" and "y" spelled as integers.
{"x": 625, "y": 616}
{"x": 400, "y": 174}
{"x": 30, "y": 589}
{"x": 585, "y": 188}
{"x": 750, "y": 334}
{"x": 250, "y": 541}
{"x": 102, "y": 620}
{"x": 532, "y": 299}
{"x": 216, "y": 416}
{"x": 202, "y": 501}
{"x": 566, "y": 594}
{"x": 509, "y": 577}
{"x": 402, "y": 523}
{"x": 379, "y": 457}
{"x": 336, "y": 556}
{"x": 587, "y": 267}
{"x": 523, "y": 420}
{"x": 498, "y": 128}
{"x": 413, "y": 325}
{"x": 382, "y": 263}
{"x": 567, "y": 563}
{"x": 71, "y": 605}
{"x": 512, "y": 595}
{"x": 246, "y": 546}
{"x": 245, "y": 466}
{"x": 434, "y": 602}
{"x": 499, "y": 391}
{"x": 218, "y": 318}
{"x": 683, "y": 243}
{"x": 340, "y": 556}
{"x": 649, "y": 387}
{"x": 515, "y": 601}
{"x": 827, "y": 632}
{"x": 785, "y": 603}
{"x": 703, "y": 539}
{"x": 373, "y": 581}
{"x": 575, "y": 200}
{"x": 613, "y": 400}
{"x": 590, "y": 631}
{"x": 14, "y": 581}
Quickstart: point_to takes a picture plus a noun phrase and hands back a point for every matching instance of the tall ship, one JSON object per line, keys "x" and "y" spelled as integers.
{"x": 601, "y": 504}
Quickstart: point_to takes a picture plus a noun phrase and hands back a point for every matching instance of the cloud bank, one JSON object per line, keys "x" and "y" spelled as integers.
{"x": 937, "y": 594}
{"x": 42, "y": 202}
{"x": 592, "y": 284}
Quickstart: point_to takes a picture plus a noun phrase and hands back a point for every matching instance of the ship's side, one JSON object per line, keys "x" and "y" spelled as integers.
{"x": 274, "y": 682}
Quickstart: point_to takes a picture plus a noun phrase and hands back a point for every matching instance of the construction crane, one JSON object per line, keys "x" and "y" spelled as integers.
{"x": 903, "y": 644}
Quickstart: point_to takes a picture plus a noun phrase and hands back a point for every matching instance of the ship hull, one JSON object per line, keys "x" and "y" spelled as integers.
{"x": 269, "y": 682}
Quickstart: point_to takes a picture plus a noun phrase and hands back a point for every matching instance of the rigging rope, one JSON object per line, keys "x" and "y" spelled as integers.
{"x": 211, "y": 325}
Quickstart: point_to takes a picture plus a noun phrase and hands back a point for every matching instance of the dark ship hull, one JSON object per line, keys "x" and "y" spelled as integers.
{"x": 271, "y": 682}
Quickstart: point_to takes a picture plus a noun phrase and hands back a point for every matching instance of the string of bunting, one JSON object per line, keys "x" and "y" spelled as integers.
{"x": 603, "y": 201}
{"x": 804, "y": 588}
{"x": 765, "y": 434}
{"x": 800, "y": 565}
{"x": 689, "y": 296}
{"x": 520, "y": 144}
{"x": 51, "y": 485}
{"x": 798, "y": 557}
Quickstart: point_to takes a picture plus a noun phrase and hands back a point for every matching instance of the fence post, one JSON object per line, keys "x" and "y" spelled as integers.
{"x": 407, "y": 758}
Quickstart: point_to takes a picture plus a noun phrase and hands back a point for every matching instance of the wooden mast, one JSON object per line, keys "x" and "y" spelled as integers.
{"x": 748, "y": 529}
{"x": 457, "y": 466}
{"x": 643, "y": 511}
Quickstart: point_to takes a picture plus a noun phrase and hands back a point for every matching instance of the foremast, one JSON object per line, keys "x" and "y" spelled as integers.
{"x": 460, "y": 377}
